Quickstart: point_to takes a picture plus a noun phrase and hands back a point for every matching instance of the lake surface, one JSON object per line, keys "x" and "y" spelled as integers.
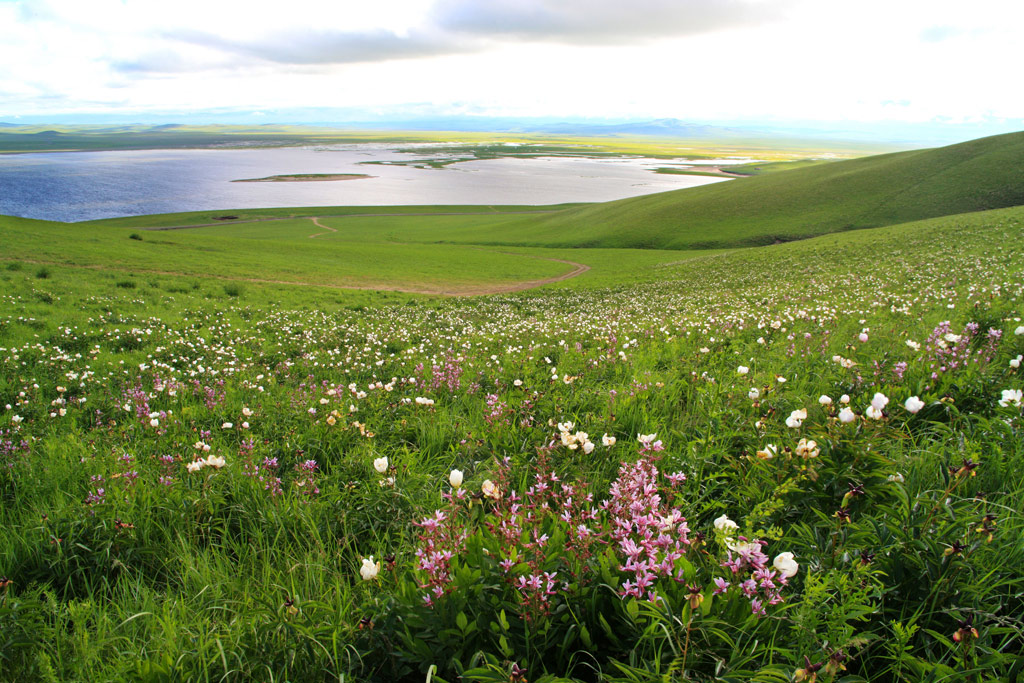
{"x": 78, "y": 186}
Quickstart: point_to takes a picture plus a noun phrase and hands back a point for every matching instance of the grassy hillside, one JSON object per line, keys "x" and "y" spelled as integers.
{"x": 200, "y": 485}
{"x": 859, "y": 193}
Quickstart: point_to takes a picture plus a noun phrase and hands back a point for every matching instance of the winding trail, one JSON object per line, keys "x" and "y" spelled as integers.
{"x": 578, "y": 268}
{"x": 267, "y": 219}
{"x": 316, "y": 222}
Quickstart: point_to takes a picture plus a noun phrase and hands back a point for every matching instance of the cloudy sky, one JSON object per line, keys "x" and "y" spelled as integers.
{"x": 700, "y": 60}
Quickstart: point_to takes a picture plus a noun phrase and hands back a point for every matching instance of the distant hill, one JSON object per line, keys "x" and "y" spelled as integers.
{"x": 868, "y": 192}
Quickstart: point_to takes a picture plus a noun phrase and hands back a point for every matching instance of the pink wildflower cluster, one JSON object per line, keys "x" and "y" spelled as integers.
{"x": 448, "y": 375}
{"x": 138, "y": 400}
{"x": 948, "y": 352}
{"x": 649, "y": 532}
{"x": 305, "y": 481}
{"x": 266, "y": 474}
{"x": 442, "y": 536}
{"x": 212, "y": 396}
{"x": 548, "y": 501}
{"x": 498, "y": 412}
{"x": 753, "y": 575}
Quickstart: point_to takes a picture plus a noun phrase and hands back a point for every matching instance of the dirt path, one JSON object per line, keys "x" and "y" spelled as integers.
{"x": 579, "y": 269}
{"x": 346, "y": 215}
{"x": 316, "y": 222}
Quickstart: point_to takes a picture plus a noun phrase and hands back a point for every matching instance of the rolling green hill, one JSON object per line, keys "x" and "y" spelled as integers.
{"x": 987, "y": 173}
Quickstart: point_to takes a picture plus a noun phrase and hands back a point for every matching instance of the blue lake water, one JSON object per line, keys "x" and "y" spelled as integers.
{"x": 78, "y": 186}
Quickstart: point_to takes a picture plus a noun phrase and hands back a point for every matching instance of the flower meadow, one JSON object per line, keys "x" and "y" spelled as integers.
{"x": 792, "y": 463}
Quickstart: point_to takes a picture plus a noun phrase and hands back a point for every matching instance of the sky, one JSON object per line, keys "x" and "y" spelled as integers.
{"x": 770, "y": 62}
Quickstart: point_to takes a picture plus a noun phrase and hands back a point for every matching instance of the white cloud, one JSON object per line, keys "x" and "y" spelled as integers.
{"x": 704, "y": 59}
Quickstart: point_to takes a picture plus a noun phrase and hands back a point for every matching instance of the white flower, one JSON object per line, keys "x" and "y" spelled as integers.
{"x": 808, "y": 448}
{"x": 951, "y": 338}
{"x": 490, "y": 490}
{"x": 608, "y": 441}
{"x": 879, "y": 401}
{"x": 154, "y": 422}
{"x": 796, "y": 418}
{"x": 913, "y": 344}
{"x": 648, "y": 439}
{"x": 913, "y": 404}
{"x": 215, "y": 461}
{"x": 780, "y": 379}
{"x": 195, "y": 465}
{"x": 588, "y": 447}
{"x": 786, "y": 565}
{"x": 742, "y": 370}
{"x": 1011, "y": 397}
{"x": 455, "y": 478}
{"x": 844, "y": 399}
{"x": 1019, "y": 331}
{"x": 754, "y": 394}
{"x": 381, "y": 464}
{"x": 517, "y": 383}
{"x": 768, "y": 452}
{"x": 824, "y": 400}
{"x": 846, "y": 415}
{"x": 1015, "y": 362}
{"x": 874, "y": 413}
{"x": 246, "y": 411}
{"x": 862, "y": 337}
{"x": 227, "y": 425}
{"x": 898, "y": 478}
{"x": 742, "y": 546}
{"x": 726, "y": 525}
{"x": 370, "y": 569}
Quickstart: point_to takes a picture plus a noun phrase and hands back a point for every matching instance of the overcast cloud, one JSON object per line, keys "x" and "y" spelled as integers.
{"x": 905, "y": 60}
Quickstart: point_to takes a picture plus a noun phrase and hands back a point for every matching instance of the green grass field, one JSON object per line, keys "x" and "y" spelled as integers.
{"x": 793, "y": 462}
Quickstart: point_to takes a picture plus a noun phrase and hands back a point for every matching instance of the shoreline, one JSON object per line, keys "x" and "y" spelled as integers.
{"x": 306, "y": 178}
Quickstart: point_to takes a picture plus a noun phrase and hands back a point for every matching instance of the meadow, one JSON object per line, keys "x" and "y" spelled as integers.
{"x": 794, "y": 462}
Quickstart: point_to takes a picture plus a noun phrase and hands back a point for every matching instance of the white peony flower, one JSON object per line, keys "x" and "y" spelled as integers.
{"x": 879, "y": 401}
{"x": 490, "y": 490}
{"x": 1011, "y": 397}
{"x": 370, "y": 569}
{"x": 215, "y": 461}
{"x": 913, "y": 404}
{"x": 608, "y": 441}
{"x": 381, "y": 464}
{"x": 754, "y": 394}
{"x": 786, "y": 565}
{"x": 726, "y": 525}
{"x": 796, "y": 419}
{"x": 825, "y": 400}
{"x": 846, "y": 415}
{"x": 742, "y": 370}
{"x": 455, "y": 478}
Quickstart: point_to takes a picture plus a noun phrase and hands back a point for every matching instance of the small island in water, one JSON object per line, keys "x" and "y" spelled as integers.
{"x": 304, "y": 177}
